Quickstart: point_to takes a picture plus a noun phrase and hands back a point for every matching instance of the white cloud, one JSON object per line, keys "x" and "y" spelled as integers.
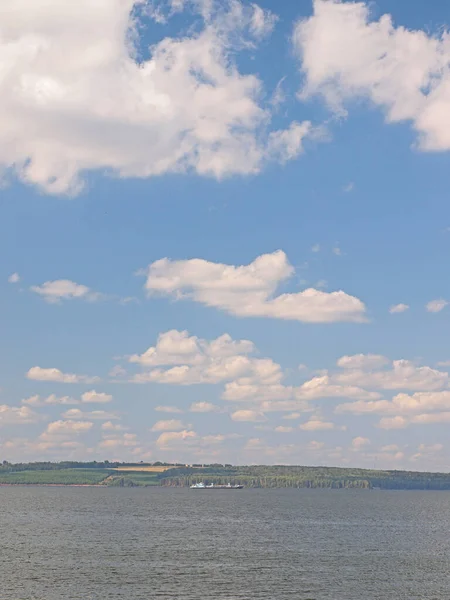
{"x": 12, "y": 415}
{"x": 358, "y": 443}
{"x": 169, "y": 409}
{"x": 436, "y": 306}
{"x": 337, "y": 251}
{"x": 200, "y": 361}
{"x": 74, "y": 97}
{"x": 315, "y": 248}
{"x": 49, "y": 400}
{"x": 346, "y": 55}
{"x": 250, "y": 416}
{"x": 393, "y": 423}
{"x": 174, "y": 438}
{"x": 64, "y": 289}
{"x": 171, "y": 425}
{"x": 39, "y": 374}
{"x": 66, "y": 428}
{"x": 203, "y": 407}
{"x": 95, "y": 397}
{"x": 177, "y": 347}
{"x": 362, "y": 361}
{"x": 76, "y": 413}
{"x": 403, "y": 374}
{"x": 398, "y": 308}
{"x": 292, "y": 416}
{"x": 113, "y": 441}
{"x": 314, "y": 445}
{"x": 248, "y": 290}
{"x": 317, "y": 424}
{"x": 287, "y": 144}
{"x": 14, "y": 278}
{"x": 110, "y": 426}
{"x": 283, "y": 429}
{"x": 323, "y": 387}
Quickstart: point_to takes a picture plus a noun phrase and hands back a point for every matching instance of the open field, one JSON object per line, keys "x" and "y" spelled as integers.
{"x": 146, "y": 469}
{"x": 55, "y": 477}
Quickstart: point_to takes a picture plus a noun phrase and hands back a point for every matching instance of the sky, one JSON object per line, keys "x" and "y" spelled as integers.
{"x": 225, "y": 232}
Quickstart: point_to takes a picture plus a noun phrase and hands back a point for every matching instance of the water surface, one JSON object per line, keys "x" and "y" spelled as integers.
{"x": 110, "y": 543}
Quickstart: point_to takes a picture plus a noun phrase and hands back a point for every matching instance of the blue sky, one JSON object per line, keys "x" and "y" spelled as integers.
{"x": 338, "y": 181}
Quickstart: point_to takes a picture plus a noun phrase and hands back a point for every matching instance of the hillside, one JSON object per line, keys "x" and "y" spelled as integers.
{"x": 255, "y": 476}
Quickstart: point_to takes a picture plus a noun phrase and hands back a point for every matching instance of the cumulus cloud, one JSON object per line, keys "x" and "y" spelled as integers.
{"x": 198, "y": 361}
{"x": 169, "y": 409}
{"x": 317, "y": 424}
{"x": 283, "y": 429}
{"x": 76, "y": 413}
{"x": 110, "y": 426}
{"x": 114, "y": 441}
{"x": 251, "y": 416}
{"x": 49, "y": 400}
{"x": 12, "y": 415}
{"x": 249, "y": 290}
{"x": 401, "y": 374}
{"x": 203, "y": 407}
{"x": 94, "y": 397}
{"x": 58, "y": 431}
{"x": 40, "y": 374}
{"x": 401, "y": 404}
{"x": 347, "y": 55}
{"x": 436, "y": 306}
{"x": 169, "y": 439}
{"x": 171, "y": 425}
{"x": 358, "y": 443}
{"x": 398, "y": 308}
{"x": 64, "y": 289}
{"x": 14, "y": 278}
{"x": 77, "y": 95}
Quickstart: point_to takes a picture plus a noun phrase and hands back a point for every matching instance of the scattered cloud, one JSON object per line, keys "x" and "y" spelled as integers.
{"x": 436, "y": 306}
{"x": 174, "y": 438}
{"x": 64, "y": 289}
{"x": 317, "y": 424}
{"x": 349, "y": 187}
{"x": 113, "y": 441}
{"x": 12, "y": 415}
{"x": 337, "y": 251}
{"x": 203, "y": 407}
{"x": 249, "y": 290}
{"x": 110, "y": 426}
{"x": 37, "y": 401}
{"x": 199, "y": 361}
{"x": 63, "y": 429}
{"x": 401, "y": 374}
{"x": 169, "y": 409}
{"x": 398, "y": 308}
{"x": 55, "y": 375}
{"x": 185, "y": 108}
{"x": 347, "y": 55}
{"x": 315, "y": 248}
{"x": 283, "y": 429}
{"x": 251, "y": 416}
{"x": 94, "y": 397}
{"x": 101, "y": 415}
{"x": 14, "y": 278}
{"x": 172, "y": 425}
{"x": 358, "y": 443}
{"x": 362, "y": 361}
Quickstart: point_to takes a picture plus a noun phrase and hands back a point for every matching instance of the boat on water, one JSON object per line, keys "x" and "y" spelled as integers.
{"x": 215, "y": 486}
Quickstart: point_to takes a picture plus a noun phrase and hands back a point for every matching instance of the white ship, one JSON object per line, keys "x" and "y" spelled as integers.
{"x": 212, "y": 486}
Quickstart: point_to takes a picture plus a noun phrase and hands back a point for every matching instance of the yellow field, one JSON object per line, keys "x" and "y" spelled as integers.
{"x": 145, "y": 469}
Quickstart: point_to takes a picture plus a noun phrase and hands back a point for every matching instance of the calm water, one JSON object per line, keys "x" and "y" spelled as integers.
{"x": 89, "y": 543}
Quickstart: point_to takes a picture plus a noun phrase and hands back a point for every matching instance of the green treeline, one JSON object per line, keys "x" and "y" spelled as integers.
{"x": 259, "y": 476}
